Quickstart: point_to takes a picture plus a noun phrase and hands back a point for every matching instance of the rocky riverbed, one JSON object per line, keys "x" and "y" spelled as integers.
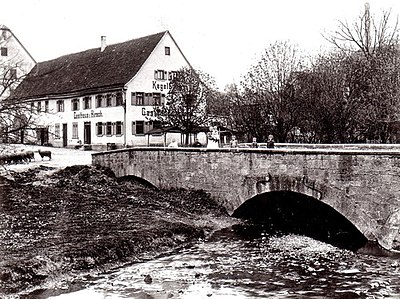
{"x": 57, "y": 225}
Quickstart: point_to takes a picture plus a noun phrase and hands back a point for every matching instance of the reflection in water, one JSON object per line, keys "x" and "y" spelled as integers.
{"x": 229, "y": 266}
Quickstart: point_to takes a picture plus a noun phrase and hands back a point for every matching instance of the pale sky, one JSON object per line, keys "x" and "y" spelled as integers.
{"x": 221, "y": 37}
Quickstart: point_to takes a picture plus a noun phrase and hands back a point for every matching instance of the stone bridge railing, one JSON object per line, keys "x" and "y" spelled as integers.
{"x": 363, "y": 185}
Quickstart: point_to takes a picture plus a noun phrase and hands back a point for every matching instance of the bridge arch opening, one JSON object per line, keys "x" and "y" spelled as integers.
{"x": 292, "y": 212}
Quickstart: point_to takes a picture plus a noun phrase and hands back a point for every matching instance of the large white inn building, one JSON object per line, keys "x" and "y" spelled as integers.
{"x": 103, "y": 95}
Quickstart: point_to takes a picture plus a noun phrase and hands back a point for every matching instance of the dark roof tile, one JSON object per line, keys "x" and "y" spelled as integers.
{"x": 88, "y": 70}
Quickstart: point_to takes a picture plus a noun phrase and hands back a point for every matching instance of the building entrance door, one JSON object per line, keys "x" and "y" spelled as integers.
{"x": 87, "y": 133}
{"x": 65, "y": 136}
{"x": 42, "y": 135}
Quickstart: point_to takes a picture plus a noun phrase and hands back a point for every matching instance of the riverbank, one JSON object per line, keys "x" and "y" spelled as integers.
{"x": 58, "y": 224}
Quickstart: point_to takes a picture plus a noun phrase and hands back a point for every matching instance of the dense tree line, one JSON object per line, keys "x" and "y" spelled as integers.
{"x": 350, "y": 94}
{"x": 347, "y": 95}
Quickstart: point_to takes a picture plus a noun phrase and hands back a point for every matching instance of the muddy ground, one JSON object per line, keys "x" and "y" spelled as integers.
{"x": 57, "y": 225}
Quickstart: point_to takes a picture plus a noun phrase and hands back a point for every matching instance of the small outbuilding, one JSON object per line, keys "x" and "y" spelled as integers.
{"x": 163, "y": 136}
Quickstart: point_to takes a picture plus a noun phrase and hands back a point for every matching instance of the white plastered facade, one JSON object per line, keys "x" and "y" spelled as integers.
{"x": 76, "y": 125}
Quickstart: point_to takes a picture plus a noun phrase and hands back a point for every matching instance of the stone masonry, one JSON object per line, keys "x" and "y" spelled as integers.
{"x": 363, "y": 185}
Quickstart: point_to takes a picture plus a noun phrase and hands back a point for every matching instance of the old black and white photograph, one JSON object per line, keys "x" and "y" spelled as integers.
{"x": 199, "y": 149}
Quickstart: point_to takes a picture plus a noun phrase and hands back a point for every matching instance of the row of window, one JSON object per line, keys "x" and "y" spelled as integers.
{"x": 139, "y": 127}
{"x": 105, "y": 100}
{"x": 147, "y": 99}
{"x": 164, "y": 75}
{"x": 109, "y": 128}
{"x": 102, "y": 128}
{"x": 109, "y": 100}
{"x": 102, "y": 100}
{"x": 86, "y": 103}
{"x": 57, "y": 133}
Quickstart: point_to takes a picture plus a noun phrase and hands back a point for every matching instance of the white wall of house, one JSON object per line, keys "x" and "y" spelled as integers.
{"x": 75, "y": 118}
{"x": 13, "y": 56}
{"x": 162, "y": 59}
{"x": 147, "y": 81}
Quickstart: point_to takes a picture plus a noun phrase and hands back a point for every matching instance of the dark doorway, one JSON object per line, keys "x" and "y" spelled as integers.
{"x": 87, "y": 133}
{"x": 22, "y": 135}
{"x": 42, "y": 135}
{"x": 65, "y": 135}
{"x": 291, "y": 212}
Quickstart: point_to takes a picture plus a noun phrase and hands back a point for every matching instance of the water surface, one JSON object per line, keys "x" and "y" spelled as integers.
{"x": 231, "y": 266}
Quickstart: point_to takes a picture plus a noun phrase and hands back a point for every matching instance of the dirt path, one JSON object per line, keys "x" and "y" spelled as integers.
{"x": 61, "y": 157}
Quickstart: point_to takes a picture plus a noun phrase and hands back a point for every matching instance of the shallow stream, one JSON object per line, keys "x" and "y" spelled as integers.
{"x": 231, "y": 266}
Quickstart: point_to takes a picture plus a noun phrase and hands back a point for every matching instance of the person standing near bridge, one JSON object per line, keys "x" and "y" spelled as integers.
{"x": 234, "y": 142}
{"x": 254, "y": 144}
{"x": 197, "y": 143}
{"x": 270, "y": 141}
{"x": 213, "y": 138}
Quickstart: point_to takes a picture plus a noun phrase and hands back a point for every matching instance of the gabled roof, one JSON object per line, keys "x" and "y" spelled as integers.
{"x": 5, "y": 28}
{"x": 89, "y": 70}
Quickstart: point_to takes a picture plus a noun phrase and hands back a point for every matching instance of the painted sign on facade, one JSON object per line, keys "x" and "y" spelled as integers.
{"x": 92, "y": 114}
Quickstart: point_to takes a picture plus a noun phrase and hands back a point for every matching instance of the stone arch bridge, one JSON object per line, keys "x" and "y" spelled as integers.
{"x": 361, "y": 184}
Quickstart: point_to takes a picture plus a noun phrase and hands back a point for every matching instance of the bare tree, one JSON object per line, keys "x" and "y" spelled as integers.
{"x": 270, "y": 84}
{"x": 15, "y": 115}
{"x": 330, "y": 107}
{"x": 373, "y": 55}
{"x": 366, "y": 34}
{"x": 245, "y": 113}
{"x": 187, "y": 100}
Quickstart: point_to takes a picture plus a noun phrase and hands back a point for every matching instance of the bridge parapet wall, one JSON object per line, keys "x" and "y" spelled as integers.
{"x": 363, "y": 185}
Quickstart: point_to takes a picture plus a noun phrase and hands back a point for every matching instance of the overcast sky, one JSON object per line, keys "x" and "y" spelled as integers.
{"x": 220, "y": 37}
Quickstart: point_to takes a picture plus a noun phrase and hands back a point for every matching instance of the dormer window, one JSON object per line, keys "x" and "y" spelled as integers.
{"x": 3, "y": 51}
{"x": 167, "y": 51}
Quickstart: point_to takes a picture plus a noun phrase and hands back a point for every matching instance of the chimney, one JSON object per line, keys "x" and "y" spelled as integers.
{"x": 103, "y": 43}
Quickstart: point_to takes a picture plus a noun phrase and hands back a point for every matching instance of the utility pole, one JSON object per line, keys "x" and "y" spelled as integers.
{"x": 367, "y": 29}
